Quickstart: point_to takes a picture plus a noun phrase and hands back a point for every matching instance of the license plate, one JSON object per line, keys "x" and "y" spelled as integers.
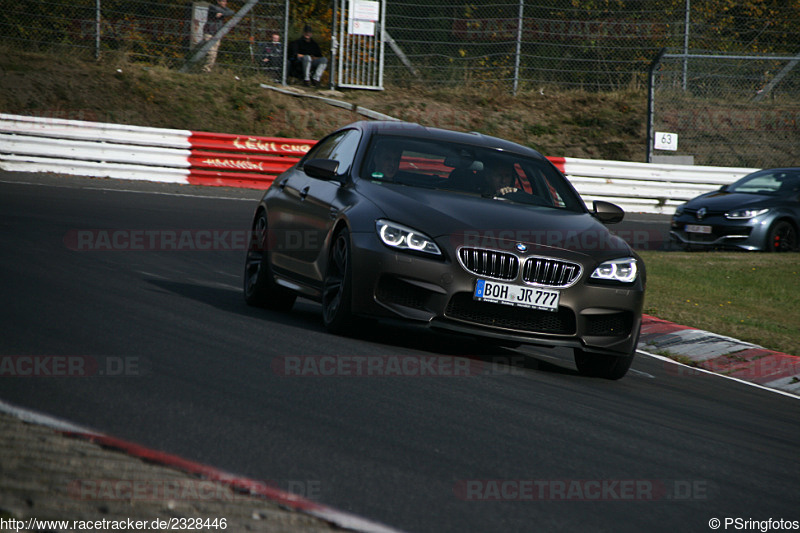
{"x": 516, "y": 295}
{"x": 691, "y": 228}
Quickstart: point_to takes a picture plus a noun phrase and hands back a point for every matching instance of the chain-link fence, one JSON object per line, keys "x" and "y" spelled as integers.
{"x": 588, "y": 44}
{"x": 594, "y": 45}
{"x": 728, "y": 110}
{"x": 154, "y": 32}
{"x": 512, "y": 43}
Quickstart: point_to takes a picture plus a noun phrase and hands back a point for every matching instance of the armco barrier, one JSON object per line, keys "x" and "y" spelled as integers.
{"x": 644, "y": 187}
{"x": 82, "y": 148}
{"x": 132, "y": 152}
{"x": 242, "y": 161}
{"x": 35, "y": 144}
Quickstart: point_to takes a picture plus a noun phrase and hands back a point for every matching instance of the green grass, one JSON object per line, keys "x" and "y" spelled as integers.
{"x": 752, "y": 297}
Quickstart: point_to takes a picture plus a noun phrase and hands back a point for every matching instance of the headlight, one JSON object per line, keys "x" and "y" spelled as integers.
{"x": 622, "y": 270}
{"x": 742, "y": 214}
{"x": 399, "y": 236}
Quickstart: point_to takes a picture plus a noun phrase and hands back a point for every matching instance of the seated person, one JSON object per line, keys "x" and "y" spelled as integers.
{"x": 272, "y": 56}
{"x": 305, "y": 55}
{"x": 500, "y": 179}
{"x": 790, "y": 184}
{"x": 385, "y": 161}
{"x": 464, "y": 180}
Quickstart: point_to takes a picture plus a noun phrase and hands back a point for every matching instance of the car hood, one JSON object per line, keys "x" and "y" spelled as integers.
{"x": 724, "y": 201}
{"x": 470, "y": 220}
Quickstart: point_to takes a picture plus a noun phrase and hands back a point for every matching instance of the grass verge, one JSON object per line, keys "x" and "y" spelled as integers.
{"x": 118, "y": 90}
{"x": 748, "y": 296}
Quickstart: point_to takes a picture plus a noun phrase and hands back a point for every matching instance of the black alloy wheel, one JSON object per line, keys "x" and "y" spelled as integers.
{"x": 337, "y": 286}
{"x": 260, "y": 289}
{"x": 782, "y": 237}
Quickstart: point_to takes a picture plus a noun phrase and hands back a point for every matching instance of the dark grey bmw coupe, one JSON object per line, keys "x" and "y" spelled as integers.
{"x": 454, "y": 231}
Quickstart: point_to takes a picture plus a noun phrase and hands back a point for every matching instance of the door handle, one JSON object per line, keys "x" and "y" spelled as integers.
{"x": 304, "y": 192}
{"x": 283, "y": 183}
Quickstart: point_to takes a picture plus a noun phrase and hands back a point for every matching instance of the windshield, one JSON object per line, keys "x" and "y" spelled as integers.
{"x": 769, "y": 182}
{"x": 467, "y": 169}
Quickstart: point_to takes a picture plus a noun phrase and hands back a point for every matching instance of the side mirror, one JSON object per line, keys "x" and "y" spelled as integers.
{"x": 607, "y": 213}
{"x": 324, "y": 169}
{"x": 723, "y": 188}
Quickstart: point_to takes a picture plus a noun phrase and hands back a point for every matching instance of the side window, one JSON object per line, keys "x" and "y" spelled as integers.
{"x": 324, "y": 147}
{"x": 345, "y": 151}
{"x": 340, "y": 146}
{"x": 765, "y": 183}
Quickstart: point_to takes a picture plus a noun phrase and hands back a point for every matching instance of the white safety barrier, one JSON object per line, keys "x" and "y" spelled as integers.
{"x": 644, "y": 187}
{"x": 35, "y": 144}
{"x": 82, "y": 148}
{"x": 132, "y": 152}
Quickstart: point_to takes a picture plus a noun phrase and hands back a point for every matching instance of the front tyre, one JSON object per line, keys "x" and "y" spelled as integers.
{"x": 260, "y": 289}
{"x": 602, "y": 365}
{"x": 337, "y": 292}
{"x": 782, "y": 237}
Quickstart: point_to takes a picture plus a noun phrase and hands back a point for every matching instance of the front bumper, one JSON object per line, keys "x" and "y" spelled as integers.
{"x": 730, "y": 234}
{"x": 438, "y": 293}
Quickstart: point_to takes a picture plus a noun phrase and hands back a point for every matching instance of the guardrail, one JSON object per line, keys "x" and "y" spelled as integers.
{"x": 37, "y": 144}
{"x": 644, "y": 187}
{"x": 242, "y": 161}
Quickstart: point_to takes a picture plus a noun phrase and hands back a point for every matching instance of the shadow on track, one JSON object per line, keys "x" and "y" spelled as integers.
{"x": 307, "y": 315}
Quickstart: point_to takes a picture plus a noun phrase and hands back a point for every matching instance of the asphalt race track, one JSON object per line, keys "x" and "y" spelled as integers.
{"x": 181, "y": 364}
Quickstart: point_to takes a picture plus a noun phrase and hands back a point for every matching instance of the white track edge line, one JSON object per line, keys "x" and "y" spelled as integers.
{"x": 703, "y": 370}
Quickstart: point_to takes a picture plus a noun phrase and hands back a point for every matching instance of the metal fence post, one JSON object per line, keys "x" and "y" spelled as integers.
{"x": 204, "y": 48}
{"x": 285, "y": 42}
{"x": 97, "y": 31}
{"x": 651, "y": 78}
{"x": 520, "y": 19}
{"x": 686, "y": 42}
{"x": 334, "y": 44}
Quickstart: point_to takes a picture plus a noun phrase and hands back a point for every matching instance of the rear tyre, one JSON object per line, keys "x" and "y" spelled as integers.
{"x": 260, "y": 289}
{"x": 600, "y": 365}
{"x": 337, "y": 292}
{"x": 782, "y": 237}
